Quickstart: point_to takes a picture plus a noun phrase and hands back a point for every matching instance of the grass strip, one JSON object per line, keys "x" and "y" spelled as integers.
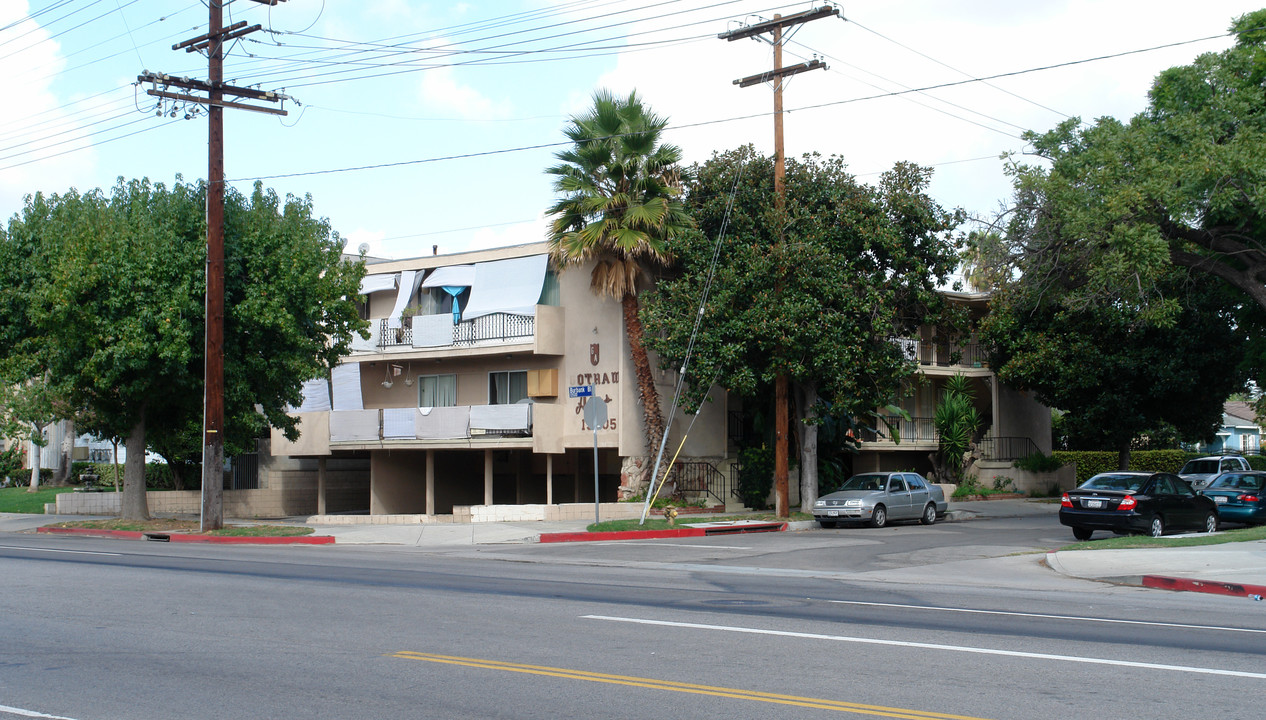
{"x": 1129, "y": 542}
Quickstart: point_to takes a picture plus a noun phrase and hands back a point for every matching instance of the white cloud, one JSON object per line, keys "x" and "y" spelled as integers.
{"x": 441, "y": 92}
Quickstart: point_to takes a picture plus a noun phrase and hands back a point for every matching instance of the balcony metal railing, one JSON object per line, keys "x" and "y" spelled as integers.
{"x": 909, "y": 431}
{"x": 943, "y": 354}
{"x": 495, "y": 327}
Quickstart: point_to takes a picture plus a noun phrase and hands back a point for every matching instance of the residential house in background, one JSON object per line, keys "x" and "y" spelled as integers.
{"x": 1240, "y": 431}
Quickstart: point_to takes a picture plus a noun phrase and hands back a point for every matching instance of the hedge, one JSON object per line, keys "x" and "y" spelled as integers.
{"x": 1093, "y": 462}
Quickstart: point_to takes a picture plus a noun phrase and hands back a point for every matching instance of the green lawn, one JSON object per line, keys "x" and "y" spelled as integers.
{"x": 1143, "y": 541}
{"x": 18, "y": 500}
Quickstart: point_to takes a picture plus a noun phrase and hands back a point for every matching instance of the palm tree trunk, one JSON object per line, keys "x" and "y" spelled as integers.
{"x": 806, "y": 402}
{"x": 647, "y": 394}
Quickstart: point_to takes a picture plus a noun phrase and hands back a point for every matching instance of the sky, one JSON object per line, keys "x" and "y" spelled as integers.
{"x": 423, "y": 126}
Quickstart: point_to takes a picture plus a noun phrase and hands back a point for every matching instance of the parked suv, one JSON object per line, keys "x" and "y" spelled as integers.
{"x": 1200, "y": 471}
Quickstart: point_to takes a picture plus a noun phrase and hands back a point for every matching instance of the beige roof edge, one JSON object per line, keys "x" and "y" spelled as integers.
{"x": 462, "y": 258}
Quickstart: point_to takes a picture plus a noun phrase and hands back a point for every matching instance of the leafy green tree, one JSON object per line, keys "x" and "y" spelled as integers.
{"x": 101, "y": 300}
{"x": 818, "y": 290}
{"x": 1179, "y": 185}
{"x": 957, "y": 421}
{"x": 1115, "y": 377}
{"x": 620, "y": 206}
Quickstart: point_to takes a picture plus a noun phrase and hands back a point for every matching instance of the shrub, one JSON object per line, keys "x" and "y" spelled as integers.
{"x": 756, "y": 476}
{"x": 1037, "y": 462}
{"x": 1093, "y": 462}
{"x": 11, "y": 462}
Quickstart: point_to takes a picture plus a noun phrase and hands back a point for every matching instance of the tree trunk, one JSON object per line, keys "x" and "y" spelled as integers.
{"x": 66, "y": 454}
{"x": 134, "y": 503}
{"x": 1123, "y": 456}
{"x": 647, "y": 394}
{"x": 35, "y": 461}
{"x": 806, "y": 404}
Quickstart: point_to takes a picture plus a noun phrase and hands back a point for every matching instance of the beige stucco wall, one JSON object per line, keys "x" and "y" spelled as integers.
{"x": 314, "y": 437}
{"x": 1021, "y": 415}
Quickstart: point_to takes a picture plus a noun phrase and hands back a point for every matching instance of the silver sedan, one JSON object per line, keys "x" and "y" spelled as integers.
{"x": 877, "y": 498}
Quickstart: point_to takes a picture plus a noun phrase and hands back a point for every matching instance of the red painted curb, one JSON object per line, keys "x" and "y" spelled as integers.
{"x": 191, "y": 538}
{"x": 620, "y": 535}
{"x": 1205, "y": 586}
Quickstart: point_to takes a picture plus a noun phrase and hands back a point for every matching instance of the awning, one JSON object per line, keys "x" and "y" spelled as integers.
{"x": 409, "y": 280}
{"x": 346, "y": 382}
{"x": 316, "y": 396}
{"x": 451, "y": 275}
{"x": 508, "y": 286}
{"x": 377, "y": 283}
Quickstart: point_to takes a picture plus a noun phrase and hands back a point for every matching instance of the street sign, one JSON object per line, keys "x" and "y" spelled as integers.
{"x": 595, "y": 413}
{"x": 578, "y": 391}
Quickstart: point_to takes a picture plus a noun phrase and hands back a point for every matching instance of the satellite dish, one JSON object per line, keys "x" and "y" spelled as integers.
{"x": 363, "y": 248}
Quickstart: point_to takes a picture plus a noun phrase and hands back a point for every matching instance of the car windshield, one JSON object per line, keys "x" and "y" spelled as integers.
{"x": 1238, "y": 482}
{"x": 1199, "y": 467}
{"x": 1120, "y": 483}
{"x": 865, "y": 482}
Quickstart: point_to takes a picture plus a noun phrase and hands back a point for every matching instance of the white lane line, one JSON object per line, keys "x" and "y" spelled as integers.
{"x": 72, "y": 552}
{"x": 637, "y": 543}
{"x": 30, "y": 713}
{"x": 934, "y": 646}
{"x": 1049, "y": 617}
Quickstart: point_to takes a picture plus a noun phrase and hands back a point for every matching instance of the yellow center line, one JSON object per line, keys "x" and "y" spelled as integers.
{"x": 671, "y": 685}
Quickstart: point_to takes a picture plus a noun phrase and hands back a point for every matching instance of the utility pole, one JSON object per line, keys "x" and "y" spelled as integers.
{"x": 775, "y": 27}
{"x": 213, "y": 400}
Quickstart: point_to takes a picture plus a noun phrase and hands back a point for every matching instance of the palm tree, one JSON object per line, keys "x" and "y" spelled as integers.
{"x": 620, "y": 207}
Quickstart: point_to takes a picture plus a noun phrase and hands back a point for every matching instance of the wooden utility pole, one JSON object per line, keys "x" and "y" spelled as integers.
{"x": 213, "y": 400}
{"x": 775, "y": 27}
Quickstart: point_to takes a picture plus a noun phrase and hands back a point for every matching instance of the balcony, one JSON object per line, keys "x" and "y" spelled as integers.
{"x": 957, "y": 355}
{"x": 543, "y": 332}
{"x": 461, "y": 422}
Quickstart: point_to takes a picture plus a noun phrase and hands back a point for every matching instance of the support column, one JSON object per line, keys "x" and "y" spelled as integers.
{"x": 430, "y": 482}
{"x": 518, "y": 477}
{"x": 321, "y": 486}
{"x": 575, "y": 493}
{"x": 487, "y": 477}
{"x": 549, "y": 479}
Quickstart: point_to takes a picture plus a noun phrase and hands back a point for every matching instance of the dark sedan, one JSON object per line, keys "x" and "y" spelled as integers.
{"x": 1240, "y": 496}
{"x": 1136, "y": 502}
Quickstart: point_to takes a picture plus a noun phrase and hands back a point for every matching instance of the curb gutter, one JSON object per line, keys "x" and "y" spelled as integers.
{"x": 720, "y": 529}
{"x": 1162, "y": 582}
{"x": 191, "y": 537}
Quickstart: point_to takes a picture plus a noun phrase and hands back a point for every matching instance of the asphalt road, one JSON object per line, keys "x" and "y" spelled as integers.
{"x": 903, "y": 622}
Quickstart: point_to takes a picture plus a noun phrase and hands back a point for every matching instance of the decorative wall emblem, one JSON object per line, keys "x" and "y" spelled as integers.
{"x": 593, "y": 354}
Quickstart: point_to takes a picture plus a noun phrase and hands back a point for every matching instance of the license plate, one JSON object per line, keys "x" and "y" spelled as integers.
{"x": 832, "y": 513}
{"x": 1094, "y": 503}
{"x": 1219, "y": 499}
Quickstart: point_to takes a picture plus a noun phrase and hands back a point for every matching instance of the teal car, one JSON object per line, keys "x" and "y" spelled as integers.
{"x": 1240, "y": 497}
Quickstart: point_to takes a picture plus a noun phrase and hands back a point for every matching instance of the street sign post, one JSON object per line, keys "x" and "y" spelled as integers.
{"x": 595, "y": 417}
{"x": 579, "y": 391}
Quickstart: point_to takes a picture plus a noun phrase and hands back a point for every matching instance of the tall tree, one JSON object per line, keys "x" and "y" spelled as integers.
{"x": 1180, "y": 184}
{"x": 858, "y": 267}
{"x": 103, "y": 301}
{"x": 619, "y": 206}
{"x": 1115, "y": 376}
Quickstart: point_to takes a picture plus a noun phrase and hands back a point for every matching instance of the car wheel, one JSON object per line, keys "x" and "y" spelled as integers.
{"x": 1082, "y": 533}
{"x": 828, "y": 524}
{"x": 879, "y": 518}
{"x": 929, "y": 515}
{"x": 1157, "y": 528}
{"x": 1211, "y": 523}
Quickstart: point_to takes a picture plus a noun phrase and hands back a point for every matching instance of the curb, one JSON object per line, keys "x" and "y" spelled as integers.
{"x": 1162, "y": 582}
{"x": 190, "y": 537}
{"x": 656, "y": 534}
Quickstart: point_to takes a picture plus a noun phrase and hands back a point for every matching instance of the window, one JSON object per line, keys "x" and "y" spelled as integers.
{"x": 1248, "y": 443}
{"x": 507, "y": 387}
{"x": 897, "y": 485}
{"x": 916, "y": 482}
{"x": 437, "y": 390}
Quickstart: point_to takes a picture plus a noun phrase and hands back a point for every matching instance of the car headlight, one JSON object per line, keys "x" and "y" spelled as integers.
{"x": 819, "y": 503}
{"x": 853, "y": 503}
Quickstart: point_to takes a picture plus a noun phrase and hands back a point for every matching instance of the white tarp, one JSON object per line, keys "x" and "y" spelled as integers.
{"x": 451, "y": 275}
{"x": 367, "y": 344}
{"x": 354, "y": 426}
{"x": 377, "y": 283}
{"x": 409, "y": 280}
{"x": 501, "y": 417}
{"x": 397, "y": 423}
{"x": 346, "y": 381}
{"x": 432, "y": 330}
{"x": 508, "y": 286}
{"x": 316, "y": 396}
{"x": 442, "y": 423}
